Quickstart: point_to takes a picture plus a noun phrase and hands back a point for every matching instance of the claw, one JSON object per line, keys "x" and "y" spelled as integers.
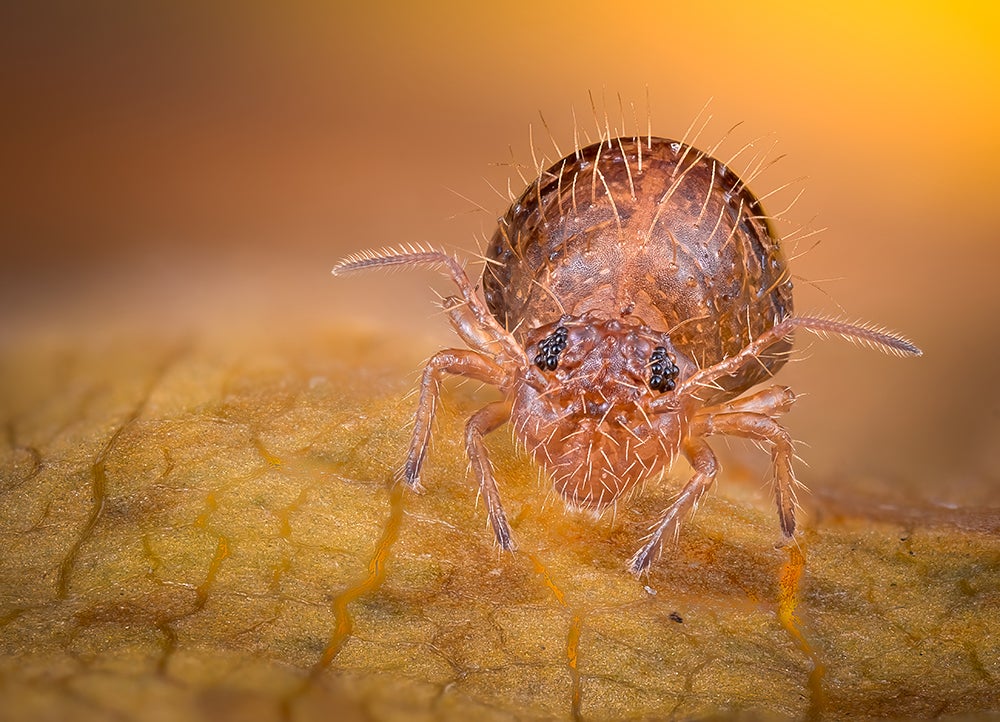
{"x": 501, "y": 530}
{"x": 640, "y": 562}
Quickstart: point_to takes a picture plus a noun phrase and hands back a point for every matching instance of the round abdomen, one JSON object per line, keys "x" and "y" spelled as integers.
{"x": 654, "y": 233}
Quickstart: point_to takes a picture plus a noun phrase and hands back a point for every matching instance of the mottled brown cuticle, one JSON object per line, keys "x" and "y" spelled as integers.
{"x": 710, "y": 259}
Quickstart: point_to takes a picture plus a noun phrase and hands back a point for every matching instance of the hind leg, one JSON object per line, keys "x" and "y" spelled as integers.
{"x": 451, "y": 361}
{"x": 753, "y": 418}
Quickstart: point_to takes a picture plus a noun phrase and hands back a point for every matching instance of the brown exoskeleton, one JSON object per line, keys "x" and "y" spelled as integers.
{"x": 632, "y": 293}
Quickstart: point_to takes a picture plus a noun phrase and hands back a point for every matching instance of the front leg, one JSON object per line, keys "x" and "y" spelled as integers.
{"x": 481, "y": 423}
{"x": 705, "y": 467}
{"x": 450, "y": 361}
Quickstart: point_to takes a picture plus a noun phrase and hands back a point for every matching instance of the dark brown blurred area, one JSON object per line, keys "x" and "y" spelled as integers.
{"x": 226, "y": 154}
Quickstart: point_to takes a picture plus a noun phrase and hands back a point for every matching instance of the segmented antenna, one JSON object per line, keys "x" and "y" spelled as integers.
{"x": 416, "y": 254}
{"x": 867, "y": 334}
{"x": 861, "y": 334}
{"x": 400, "y": 256}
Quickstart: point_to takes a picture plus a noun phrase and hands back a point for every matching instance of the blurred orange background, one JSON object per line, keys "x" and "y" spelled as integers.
{"x": 205, "y": 155}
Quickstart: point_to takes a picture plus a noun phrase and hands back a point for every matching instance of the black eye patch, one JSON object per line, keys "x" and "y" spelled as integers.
{"x": 550, "y": 348}
{"x": 663, "y": 371}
